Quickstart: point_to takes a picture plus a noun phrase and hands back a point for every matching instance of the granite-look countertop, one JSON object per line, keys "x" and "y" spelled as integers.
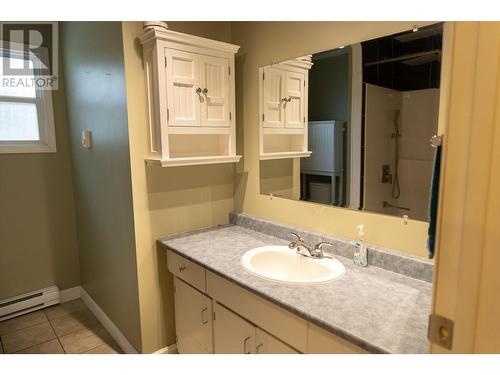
{"x": 378, "y": 310}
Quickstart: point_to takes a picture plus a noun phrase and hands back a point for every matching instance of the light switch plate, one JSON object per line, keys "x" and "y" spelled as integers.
{"x": 86, "y": 139}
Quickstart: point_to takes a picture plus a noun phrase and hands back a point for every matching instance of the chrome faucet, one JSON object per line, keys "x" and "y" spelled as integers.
{"x": 302, "y": 248}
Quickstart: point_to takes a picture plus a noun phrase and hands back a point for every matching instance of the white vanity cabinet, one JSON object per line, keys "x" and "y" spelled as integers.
{"x": 283, "y": 109}
{"x": 214, "y": 315}
{"x": 191, "y": 99}
{"x": 193, "y": 319}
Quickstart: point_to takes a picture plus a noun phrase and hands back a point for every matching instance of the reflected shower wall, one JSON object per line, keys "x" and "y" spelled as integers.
{"x": 409, "y": 118}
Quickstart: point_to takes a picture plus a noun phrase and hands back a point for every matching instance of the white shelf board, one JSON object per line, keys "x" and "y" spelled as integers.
{"x": 285, "y": 155}
{"x": 197, "y": 160}
{"x": 197, "y": 130}
{"x": 284, "y": 131}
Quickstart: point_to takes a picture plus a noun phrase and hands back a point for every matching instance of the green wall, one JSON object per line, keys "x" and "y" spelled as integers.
{"x": 96, "y": 101}
{"x": 38, "y": 246}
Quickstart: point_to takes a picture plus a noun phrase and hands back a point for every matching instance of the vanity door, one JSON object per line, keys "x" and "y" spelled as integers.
{"x": 193, "y": 319}
{"x": 267, "y": 344}
{"x": 232, "y": 334}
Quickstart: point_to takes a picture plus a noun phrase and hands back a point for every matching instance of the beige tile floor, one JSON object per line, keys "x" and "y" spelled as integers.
{"x": 66, "y": 328}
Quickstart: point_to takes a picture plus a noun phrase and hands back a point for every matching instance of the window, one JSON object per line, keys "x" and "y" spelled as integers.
{"x": 26, "y": 113}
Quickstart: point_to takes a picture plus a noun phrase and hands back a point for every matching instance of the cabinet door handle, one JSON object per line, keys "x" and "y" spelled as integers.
{"x": 205, "y": 91}
{"x": 182, "y": 268}
{"x": 258, "y": 347}
{"x": 245, "y": 351}
{"x": 203, "y": 319}
{"x": 198, "y": 90}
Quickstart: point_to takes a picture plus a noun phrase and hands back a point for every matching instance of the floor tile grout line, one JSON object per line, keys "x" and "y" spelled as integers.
{"x": 40, "y": 343}
{"x": 57, "y": 336}
{"x": 93, "y": 330}
{"x": 90, "y": 330}
{"x": 30, "y": 326}
{"x": 44, "y": 313}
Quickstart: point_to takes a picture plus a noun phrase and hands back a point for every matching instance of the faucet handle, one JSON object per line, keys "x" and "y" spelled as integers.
{"x": 298, "y": 237}
{"x": 320, "y": 245}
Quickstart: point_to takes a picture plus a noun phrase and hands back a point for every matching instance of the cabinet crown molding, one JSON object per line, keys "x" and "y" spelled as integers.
{"x": 152, "y": 35}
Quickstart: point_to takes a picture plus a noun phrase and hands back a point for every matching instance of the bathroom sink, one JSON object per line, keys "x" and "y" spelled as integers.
{"x": 279, "y": 263}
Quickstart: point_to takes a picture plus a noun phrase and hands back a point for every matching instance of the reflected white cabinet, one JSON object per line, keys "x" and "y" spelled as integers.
{"x": 191, "y": 99}
{"x": 193, "y": 319}
{"x": 283, "y": 109}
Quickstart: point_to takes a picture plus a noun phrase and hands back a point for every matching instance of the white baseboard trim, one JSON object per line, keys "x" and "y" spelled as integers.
{"x": 171, "y": 349}
{"x": 113, "y": 330}
{"x": 70, "y": 294}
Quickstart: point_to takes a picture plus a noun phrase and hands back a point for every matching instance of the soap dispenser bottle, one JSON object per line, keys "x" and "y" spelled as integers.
{"x": 360, "y": 255}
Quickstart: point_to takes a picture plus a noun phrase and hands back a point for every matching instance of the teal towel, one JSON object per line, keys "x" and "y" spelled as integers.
{"x": 433, "y": 202}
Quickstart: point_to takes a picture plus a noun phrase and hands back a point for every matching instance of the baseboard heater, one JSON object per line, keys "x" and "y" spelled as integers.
{"x": 29, "y": 302}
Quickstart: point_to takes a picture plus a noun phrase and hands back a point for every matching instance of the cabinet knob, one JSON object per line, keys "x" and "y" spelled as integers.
{"x": 205, "y": 91}
{"x": 198, "y": 90}
{"x": 182, "y": 268}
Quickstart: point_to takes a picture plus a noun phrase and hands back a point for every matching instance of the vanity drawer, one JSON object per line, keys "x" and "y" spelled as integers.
{"x": 186, "y": 270}
{"x": 324, "y": 342}
{"x": 279, "y": 322}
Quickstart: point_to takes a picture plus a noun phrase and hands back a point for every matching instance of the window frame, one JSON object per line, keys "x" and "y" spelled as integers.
{"x": 44, "y": 108}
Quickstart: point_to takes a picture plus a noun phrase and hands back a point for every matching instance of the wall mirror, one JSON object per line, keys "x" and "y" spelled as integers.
{"x": 350, "y": 127}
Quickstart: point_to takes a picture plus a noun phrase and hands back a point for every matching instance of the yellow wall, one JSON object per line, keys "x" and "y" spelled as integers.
{"x": 263, "y": 43}
{"x": 166, "y": 200}
{"x": 38, "y": 245}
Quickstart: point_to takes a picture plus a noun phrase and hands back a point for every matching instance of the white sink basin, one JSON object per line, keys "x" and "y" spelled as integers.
{"x": 279, "y": 263}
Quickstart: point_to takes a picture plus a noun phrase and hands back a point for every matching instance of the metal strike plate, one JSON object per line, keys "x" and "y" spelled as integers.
{"x": 440, "y": 331}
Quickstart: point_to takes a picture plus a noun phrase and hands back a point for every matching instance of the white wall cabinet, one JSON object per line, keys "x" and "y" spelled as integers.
{"x": 193, "y": 319}
{"x": 191, "y": 99}
{"x": 283, "y": 109}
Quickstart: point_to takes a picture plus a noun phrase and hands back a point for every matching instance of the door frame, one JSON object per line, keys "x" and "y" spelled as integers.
{"x": 467, "y": 115}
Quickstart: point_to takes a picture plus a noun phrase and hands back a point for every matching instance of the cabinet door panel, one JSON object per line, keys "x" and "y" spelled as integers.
{"x": 216, "y": 100}
{"x": 232, "y": 334}
{"x": 193, "y": 319}
{"x": 267, "y": 344}
{"x": 182, "y": 80}
{"x": 272, "y": 96}
{"x": 294, "y": 107}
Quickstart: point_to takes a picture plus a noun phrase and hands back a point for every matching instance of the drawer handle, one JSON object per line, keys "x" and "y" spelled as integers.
{"x": 245, "y": 351}
{"x": 258, "y": 348}
{"x": 203, "y": 320}
{"x": 182, "y": 268}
